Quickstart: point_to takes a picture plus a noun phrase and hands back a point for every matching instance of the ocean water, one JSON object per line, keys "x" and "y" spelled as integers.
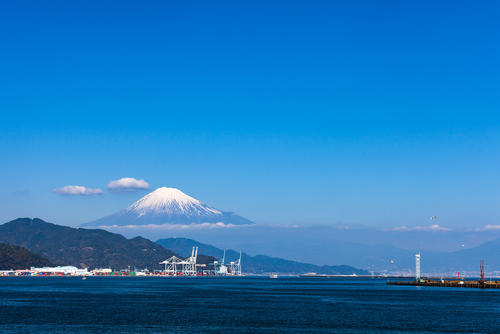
{"x": 240, "y": 305}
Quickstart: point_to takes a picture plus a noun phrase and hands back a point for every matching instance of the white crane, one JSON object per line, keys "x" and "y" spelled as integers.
{"x": 236, "y": 267}
{"x": 189, "y": 265}
{"x": 220, "y": 268}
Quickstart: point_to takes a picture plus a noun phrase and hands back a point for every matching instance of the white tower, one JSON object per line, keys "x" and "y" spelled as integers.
{"x": 417, "y": 266}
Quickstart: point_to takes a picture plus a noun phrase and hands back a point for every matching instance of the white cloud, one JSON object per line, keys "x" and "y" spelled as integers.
{"x": 287, "y": 226}
{"x": 489, "y": 228}
{"x": 77, "y": 191}
{"x": 127, "y": 184}
{"x": 172, "y": 226}
{"x": 434, "y": 227}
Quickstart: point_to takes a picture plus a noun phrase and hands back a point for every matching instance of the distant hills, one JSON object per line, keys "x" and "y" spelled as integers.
{"x": 15, "y": 257}
{"x": 86, "y": 248}
{"x": 94, "y": 248}
{"x": 259, "y": 264}
{"x": 466, "y": 259}
{"x": 443, "y": 252}
{"x": 169, "y": 206}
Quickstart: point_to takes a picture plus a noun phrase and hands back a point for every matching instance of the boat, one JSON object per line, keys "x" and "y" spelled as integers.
{"x": 273, "y": 276}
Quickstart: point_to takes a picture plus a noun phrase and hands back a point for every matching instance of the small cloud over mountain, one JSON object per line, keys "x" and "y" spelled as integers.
{"x": 434, "y": 227}
{"x": 127, "y": 184}
{"x": 77, "y": 191}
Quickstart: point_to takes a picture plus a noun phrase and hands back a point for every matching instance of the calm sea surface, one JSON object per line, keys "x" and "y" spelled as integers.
{"x": 243, "y": 305}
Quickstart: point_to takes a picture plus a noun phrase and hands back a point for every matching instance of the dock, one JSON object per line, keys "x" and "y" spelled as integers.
{"x": 459, "y": 282}
{"x": 450, "y": 283}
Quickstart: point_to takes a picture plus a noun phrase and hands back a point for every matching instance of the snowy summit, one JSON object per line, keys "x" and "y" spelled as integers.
{"x": 170, "y": 201}
{"x": 168, "y": 206}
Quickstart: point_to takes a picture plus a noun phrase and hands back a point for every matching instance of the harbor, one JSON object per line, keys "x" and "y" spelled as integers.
{"x": 173, "y": 267}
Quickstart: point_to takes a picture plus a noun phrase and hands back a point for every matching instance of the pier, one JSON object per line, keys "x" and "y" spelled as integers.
{"x": 450, "y": 283}
{"x": 481, "y": 283}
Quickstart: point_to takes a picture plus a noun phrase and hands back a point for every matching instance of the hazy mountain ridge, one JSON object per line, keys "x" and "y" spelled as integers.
{"x": 466, "y": 259}
{"x": 258, "y": 264}
{"x": 330, "y": 246}
{"x": 168, "y": 206}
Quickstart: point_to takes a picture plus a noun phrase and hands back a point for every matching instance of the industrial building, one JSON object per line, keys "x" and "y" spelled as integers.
{"x": 63, "y": 270}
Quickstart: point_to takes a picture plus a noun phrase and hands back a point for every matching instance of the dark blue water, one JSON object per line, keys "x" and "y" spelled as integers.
{"x": 243, "y": 305}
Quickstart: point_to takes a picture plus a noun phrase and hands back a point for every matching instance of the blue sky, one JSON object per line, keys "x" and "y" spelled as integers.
{"x": 297, "y": 112}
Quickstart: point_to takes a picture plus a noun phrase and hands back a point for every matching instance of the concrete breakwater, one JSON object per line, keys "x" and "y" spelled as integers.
{"x": 450, "y": 283}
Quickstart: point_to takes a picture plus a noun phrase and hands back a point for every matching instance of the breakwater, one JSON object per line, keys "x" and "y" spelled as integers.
{"x": 450, "y": 283}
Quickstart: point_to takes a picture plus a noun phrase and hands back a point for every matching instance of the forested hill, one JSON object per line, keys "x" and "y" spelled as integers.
{"x": 15, "y": 257}
{"x": 86, "y": 248}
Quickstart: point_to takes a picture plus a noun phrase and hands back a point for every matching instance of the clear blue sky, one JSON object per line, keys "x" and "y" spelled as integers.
{"x": 306, "y": 112}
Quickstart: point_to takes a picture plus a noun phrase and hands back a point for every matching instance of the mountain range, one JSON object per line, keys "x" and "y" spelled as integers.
{"x": 374, "y": 250}
{"x": 96, "y": 248}
{"x": 259, "y": 264}
{"x": 168, "y": 206}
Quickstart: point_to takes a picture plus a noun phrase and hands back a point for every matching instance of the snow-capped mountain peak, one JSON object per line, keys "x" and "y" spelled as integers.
{"x": 171, "y": 201}
{"x": 169, "y": 206}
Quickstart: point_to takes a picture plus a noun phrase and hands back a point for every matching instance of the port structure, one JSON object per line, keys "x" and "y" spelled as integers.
{"x": 235, "y": 267}
{"x": 231, "y": 269}
{"x": 171, "y": 265}
{"x": 220, "y": 268}
{"x": 189, "y": 269}
{"x": 450, "y": 283}
{"x": 175, "y": 266}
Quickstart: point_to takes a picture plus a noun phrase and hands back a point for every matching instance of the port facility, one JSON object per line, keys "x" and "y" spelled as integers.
{"x": 173, "y": 267}
{"x": 459, "y": 282}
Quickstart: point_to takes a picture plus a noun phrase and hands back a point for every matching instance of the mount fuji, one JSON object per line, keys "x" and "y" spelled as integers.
{"x": 166, "y": 206}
